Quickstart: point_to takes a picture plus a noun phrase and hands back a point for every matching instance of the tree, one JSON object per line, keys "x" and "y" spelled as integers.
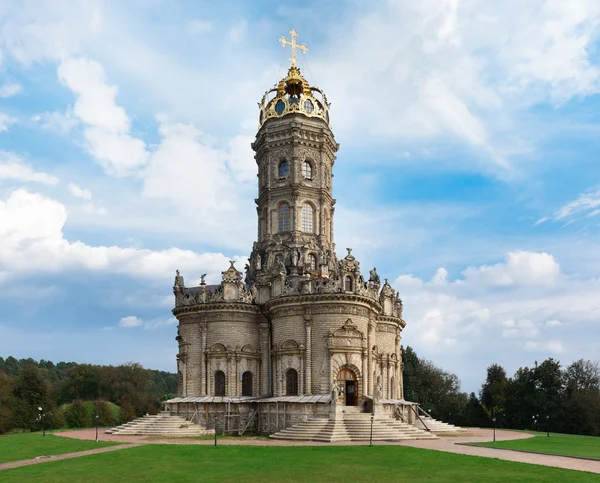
{"x": 493, "y": 391}
{"x": 6, "y": 403}
{"x": 31, "y": 392}
{"x": 475, "y": 413}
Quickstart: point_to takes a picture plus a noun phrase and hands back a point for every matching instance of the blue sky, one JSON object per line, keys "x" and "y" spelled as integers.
{"x": 468, "y": 171}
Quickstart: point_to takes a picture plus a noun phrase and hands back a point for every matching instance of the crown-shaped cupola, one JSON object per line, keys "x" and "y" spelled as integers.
{"x": 293, "y": 94}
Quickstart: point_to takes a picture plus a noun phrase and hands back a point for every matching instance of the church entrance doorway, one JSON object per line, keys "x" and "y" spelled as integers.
{"x": 347, "y": 387}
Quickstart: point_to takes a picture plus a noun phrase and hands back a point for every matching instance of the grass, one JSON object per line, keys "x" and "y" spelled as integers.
{"x": 558, "y": 444}
{"x": 23, "y": 446}
{"x": 191, "y": 463}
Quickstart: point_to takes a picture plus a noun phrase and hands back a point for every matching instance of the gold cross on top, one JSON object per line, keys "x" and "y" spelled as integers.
{"x": 294, "y": 45}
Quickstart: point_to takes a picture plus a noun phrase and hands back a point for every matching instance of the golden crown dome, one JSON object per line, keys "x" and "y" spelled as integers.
{"x": 293, "y": 94}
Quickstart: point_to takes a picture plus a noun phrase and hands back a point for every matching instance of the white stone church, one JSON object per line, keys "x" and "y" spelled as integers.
{"x": 300, "y": 335}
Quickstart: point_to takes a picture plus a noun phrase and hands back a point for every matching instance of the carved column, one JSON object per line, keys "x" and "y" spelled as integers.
{"x": 387, "y": 376}
{"x": 228, "y": 380}
{"x": 237, "y": 374}
{"x": 281, "y": 390}
{"x": 370, "y": 358}
{"x": 308, "y": 365}
{"x": 363, "y": 369}
{"x": 265, "y": 359}
{"x": 203, "y": 363}
{"x": 301, "y": 375}
{"x": 331, "y": 231}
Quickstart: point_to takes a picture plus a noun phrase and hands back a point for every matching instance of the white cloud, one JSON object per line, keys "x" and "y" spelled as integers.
{"x": 107, "y": 131}
{"x": 457, "y": 69}
{"x": 10, "y": 89}
{"x": 203, "y": 183}
{"x": 585, "y": 204}
{"x": 520, "y": 268}
{"x": 61, "y": 122}
{"x": 86, "y": 195}
{"x": 131, "y": 321}
{"x": 32, "y": 242}
{"x": 6, "y": 121}
{"x": 501, "y": 322}
{"x": 13, "y": 168}
{"x": 79, "y": 192}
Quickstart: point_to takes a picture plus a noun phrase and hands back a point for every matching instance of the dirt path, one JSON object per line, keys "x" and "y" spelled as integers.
{"x": 45, "y": 459}
{"x": 450, "y": 443}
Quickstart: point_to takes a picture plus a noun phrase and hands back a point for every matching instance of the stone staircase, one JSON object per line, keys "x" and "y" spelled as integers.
{"x": 352, "y": 425}
{"x": 436, "y": 426}
{"x": 162, "y": 424}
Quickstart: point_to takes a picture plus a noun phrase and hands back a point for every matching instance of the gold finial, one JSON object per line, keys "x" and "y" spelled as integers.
{"x": 294, "y": 45}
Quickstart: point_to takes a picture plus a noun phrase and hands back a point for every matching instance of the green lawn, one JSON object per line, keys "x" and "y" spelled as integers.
{"x": 559, "y": 444}
{"x": 14, "y": 447}
{"x": 191, "y": 463}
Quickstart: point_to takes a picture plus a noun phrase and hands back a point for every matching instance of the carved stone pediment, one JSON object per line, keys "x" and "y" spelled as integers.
{"x": 347, "y": 336}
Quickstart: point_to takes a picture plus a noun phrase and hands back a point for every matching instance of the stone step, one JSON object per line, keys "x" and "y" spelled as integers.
{"x": 160, "y": 425}
{"x": 357, "y": 427}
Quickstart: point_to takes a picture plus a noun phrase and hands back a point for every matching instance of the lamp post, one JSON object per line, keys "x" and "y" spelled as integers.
{"x": 371, "y": 436}
{"x": 547, "y": 426}
{"x": 216, "y": 423}
{"x": 51, "y": 421}
{"x": 41, "y": 410}
{"x": 96, "y": 418}
{"x": 494, "y": 426}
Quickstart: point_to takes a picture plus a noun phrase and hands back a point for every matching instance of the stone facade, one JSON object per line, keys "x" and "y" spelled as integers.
{"x": 299, "y": 320}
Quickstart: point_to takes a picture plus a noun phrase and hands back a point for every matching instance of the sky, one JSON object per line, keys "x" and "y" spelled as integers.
{"x": 468, "y": 171}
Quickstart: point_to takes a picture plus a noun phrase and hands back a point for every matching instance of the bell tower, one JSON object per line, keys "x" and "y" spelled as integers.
{"x": 295, "y": 152}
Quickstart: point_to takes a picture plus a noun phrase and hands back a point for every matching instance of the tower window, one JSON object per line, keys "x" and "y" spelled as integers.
{"x": 291, "y": 382}
{"x": 283, "y": 218}
{"x": 348, "y": 285}
{"x": 311, "y": 261}
{"x": 280, "y": 107}
{"x": 308, "y": 106}
{"x": 284, "y": 169}
{"x": 307, "y": 218}
{"x": 219, "y": 383}
{"x": 307, "y": 170}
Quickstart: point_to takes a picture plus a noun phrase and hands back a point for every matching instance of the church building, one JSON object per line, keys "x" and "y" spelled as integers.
{"x": 299, "y": 328}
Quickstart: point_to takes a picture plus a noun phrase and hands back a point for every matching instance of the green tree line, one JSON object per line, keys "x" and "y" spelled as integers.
{"x": 60, "y": 389}
{"x": 547, "y": 396}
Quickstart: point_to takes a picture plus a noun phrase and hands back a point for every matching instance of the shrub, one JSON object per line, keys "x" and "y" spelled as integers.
{"x": 77, "y": 416}
{"x": 127, "y": 412}
{"x": 105, "y": 414}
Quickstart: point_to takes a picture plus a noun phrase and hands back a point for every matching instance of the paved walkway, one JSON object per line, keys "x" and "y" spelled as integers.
{"x": 45, "y": 459}
{"x": 451, "y": 443}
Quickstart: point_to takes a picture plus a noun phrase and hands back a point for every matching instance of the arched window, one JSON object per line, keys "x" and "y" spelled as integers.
{"x": 219, "y": 383}
{"x": 247, "y": 383}
{"x": 348, "y": 285}
{"x": 307, "y": 170}
{"x": 311, "y": 261}
{"x": 284, "y": 169}
{"x": 307, "y": 218}
{"x": 291, "y": 382}
{"x": 283, "y": 218}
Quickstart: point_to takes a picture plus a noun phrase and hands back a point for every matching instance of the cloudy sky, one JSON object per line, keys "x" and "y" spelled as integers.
{"x": 468, "y": 171}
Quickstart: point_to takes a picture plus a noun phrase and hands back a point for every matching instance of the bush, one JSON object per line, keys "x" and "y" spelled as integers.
{"x": 77, "y": 416}
{"x": 58, "y": 418}
{"x": 127, "y": 412}
{"x": 105, "y": 414}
